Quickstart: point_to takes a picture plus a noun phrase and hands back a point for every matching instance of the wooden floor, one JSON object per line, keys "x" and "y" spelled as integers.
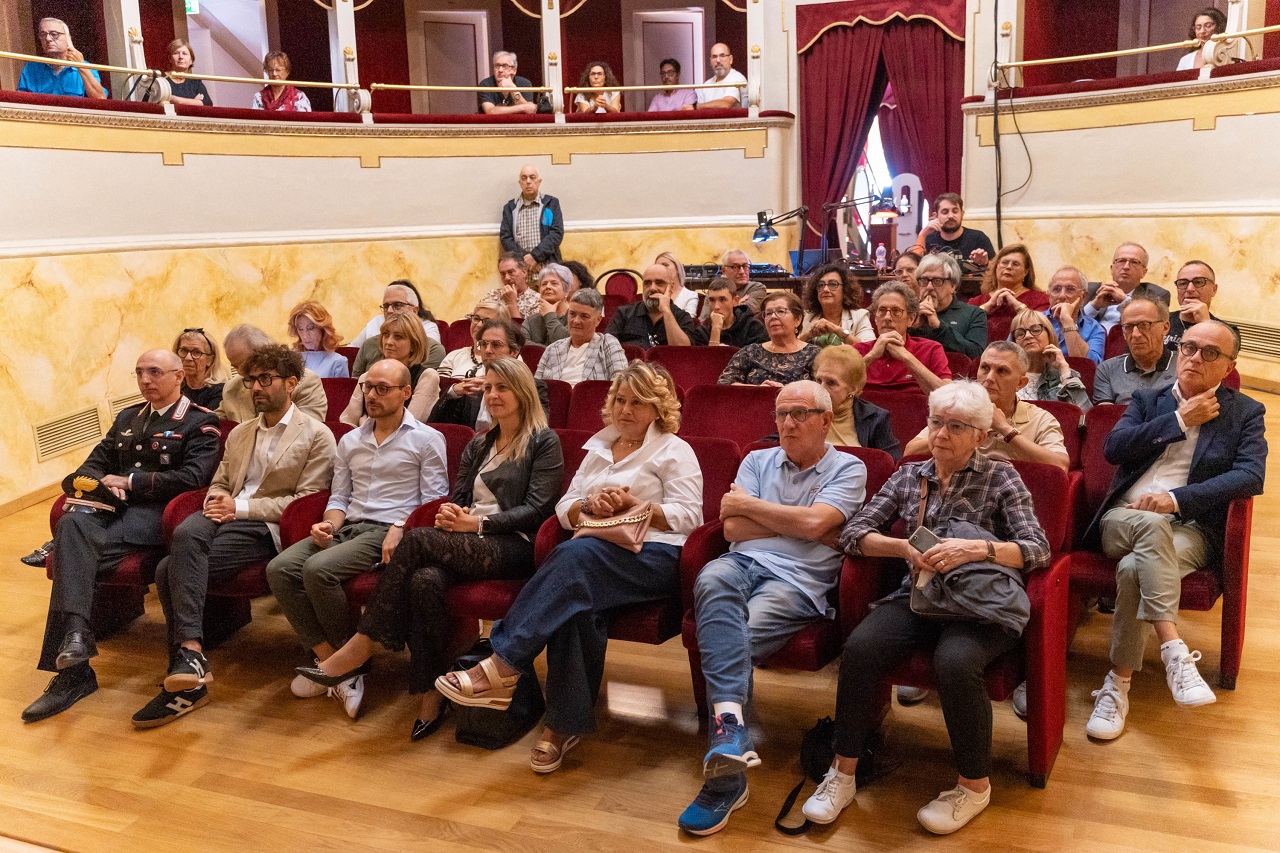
{"x": 259, "y": 770}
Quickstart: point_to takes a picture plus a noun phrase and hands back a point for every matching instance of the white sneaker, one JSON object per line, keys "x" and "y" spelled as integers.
{"x": 350, "y": 693}
{"x": 834, "y": 793}
{"x": 911, "y": 695}
{"x": 305, "y": 688}
{"x": 1019, "y": 701}
{"x": 1109, "y": 710}
{"x": 1188, "y": 688}
{"x": 953, "y": 809}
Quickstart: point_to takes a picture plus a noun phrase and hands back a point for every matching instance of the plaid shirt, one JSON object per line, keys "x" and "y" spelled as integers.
{"x": 987, "y": 493}
{"x": 603, "y": 359}
{"x": 528, "y": 226}
{"x": 527, "y": 301}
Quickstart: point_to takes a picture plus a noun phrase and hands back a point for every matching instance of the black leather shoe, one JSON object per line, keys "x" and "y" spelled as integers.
{"x": 77, "y": 647}
{"x": 65, "y": 689}
{"x": 37, "y": 557}
{"x": 424, "y": 728}
{"x": 319, "y": 676}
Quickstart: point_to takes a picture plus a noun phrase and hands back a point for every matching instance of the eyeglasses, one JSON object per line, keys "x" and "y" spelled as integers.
{"x": 1027, "y": 332}
{"x": 829, "y": 285}
{"x": 1141, "y": 326}
{"x": 776, "y": 312}
{"x": 1070, "y": 290}
{"x": 485, "y": 346}
{"x": 266, "y": 380}
{"x": 378, "y": 390}
{"x": 188, "y": 352}
{"x": 396, "y": 306}
{"x": 891, "y": 312}
{"x": 735, "y": 267}
{"x": 956, "y": 428}
{"x": 51, "y": 35}
{"x": 503, "y": 65}
{"x": 1198, "y": 282}
{"x": 1127, "y": 262}
{"x": 1190, "y": 348}
{"x": 797, "y": 415}
{"x": 930, "y": 281}
{"x": 154, "y": 372}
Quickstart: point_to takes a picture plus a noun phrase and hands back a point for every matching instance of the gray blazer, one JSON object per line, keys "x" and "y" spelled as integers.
{"x": 545, "y": 328}
{"x": 526, "y": 490}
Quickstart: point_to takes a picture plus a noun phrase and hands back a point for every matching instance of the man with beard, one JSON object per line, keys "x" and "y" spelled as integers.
{"x": 655, "y": 320}
{"x": 727, "y": 96}
{"x": 945, "y": 232}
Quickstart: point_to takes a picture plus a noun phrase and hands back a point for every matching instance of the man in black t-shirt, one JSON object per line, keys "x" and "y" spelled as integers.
{"x": 945, "y": 233}
{"x": 504, "y": 75}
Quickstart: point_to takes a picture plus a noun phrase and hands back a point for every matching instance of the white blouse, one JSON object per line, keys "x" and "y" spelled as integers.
{"x": 663, "y": 470}
{"x": 854, "y": 321}
{"x": 687, "y": 301}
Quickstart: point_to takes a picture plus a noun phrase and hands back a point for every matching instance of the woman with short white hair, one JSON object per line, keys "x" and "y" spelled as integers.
{"x": 555, "y": 283}
{"x": 586, "y": 353}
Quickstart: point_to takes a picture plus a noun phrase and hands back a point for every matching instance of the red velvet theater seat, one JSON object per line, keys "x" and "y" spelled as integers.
{"x": 690, "y": 366}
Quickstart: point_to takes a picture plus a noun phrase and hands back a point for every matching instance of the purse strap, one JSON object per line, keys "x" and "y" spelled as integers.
{"x": 924, "y": 496}
{"x": 787, "y": 805}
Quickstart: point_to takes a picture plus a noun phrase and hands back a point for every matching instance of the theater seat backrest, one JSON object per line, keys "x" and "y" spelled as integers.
{"x": 690, "y": 366}
{"x": 1098, "y": 472}
{"x": 718, "y": 458}
{"x": 741, "y": 413}
{"x": 585, "y": 405}
{"x": 456, "y": 438}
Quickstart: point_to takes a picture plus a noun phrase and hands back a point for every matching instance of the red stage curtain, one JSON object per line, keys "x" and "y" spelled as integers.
{"x": 841, "y": 83}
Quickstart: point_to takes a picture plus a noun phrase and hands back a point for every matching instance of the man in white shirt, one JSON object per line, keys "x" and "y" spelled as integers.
{"x": 385, "y": 469}
{"x": 727, "y": 95}
{"x": 268, "y": 462}
{"x": 397, "y": 298}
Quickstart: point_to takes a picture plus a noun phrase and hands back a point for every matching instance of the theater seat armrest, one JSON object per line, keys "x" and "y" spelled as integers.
{"x": 178, "y": 509}
{"x": 550, "y": 534}
{"x": 425, "y": 515}
{"x": 703, "y": 545}
{"x": 299, "y": 516}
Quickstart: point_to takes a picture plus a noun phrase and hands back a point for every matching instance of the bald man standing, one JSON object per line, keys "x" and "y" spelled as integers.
{"x": 152, "y": 453}
{"x": 532, "y": 225}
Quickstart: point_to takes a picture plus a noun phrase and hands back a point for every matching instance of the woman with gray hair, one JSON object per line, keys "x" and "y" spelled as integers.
{"x": 980, "y": 514}
{"x": 555, "y": 283}
{"x": 951, "y": 322}
{"x": 896, "y": 361}
{"x": 586, "y": 353}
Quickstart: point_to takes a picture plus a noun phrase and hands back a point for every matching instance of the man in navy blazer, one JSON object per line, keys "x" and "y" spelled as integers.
{"x": 1184, "y": 453}
{"x": 532, "y": 225}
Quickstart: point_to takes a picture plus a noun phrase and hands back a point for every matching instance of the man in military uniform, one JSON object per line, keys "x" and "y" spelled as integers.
{"x": 152, "y": 453}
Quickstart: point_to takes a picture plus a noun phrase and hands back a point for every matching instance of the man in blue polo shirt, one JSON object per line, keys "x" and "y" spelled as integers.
{"x": 55, "y": 41}
{"x": 779, "y": 514}
{"x": 1078, "y": 335}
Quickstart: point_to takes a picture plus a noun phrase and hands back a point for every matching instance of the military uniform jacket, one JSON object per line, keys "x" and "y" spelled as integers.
{"x": 178, "y": 453}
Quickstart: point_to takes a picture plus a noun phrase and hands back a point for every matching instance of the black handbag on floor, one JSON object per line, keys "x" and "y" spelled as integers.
{"x": 817, "y": 752}
{"x": 491, "y": 729}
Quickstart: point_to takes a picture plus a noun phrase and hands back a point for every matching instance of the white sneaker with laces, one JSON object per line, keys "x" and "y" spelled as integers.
{"x": 1188, "y": 688}
{"x": 1110, "y": 707}
{"x": 834, "y": 793}
{"x": 1019, "y": 700}
{"x": 305, "y": 688}
{"x": 953, "y": 809}
{"x": 350, "y": 693}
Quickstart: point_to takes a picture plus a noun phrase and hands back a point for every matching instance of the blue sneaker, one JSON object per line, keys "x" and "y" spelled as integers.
{"x": 731, "y": 749}
{"x": 710, "y": 810}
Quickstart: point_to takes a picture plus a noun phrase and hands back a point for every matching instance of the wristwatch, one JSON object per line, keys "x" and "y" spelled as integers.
{"x": 1013, "y": 433}
{"x": 399, "y": 523}
{"x": 991, "y": 552}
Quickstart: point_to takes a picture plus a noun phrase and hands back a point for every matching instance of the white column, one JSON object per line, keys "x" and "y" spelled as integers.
{"x": 982, "y": 46}
{"x": 777, "y": 62}
{"x": 553, "y": 56}
{"x": 343, "y": 62}
{"x": 124, "y": 40}
{"x": 758, "y": 47}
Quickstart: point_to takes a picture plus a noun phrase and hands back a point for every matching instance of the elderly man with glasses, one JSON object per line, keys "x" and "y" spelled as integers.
{"x": 1196, "y": 285}
{"x": 735, "y": 265}
{"x": 1078, "y": 336}
{"x": 400, "y": 297}
{"x": 237, "y": 400}
{"x": 1145, "y": 322}
{"x": 511, "y": 101}
{"x": 1107, "y": 298}
{"x": 55, "y": 42}
{"x": 152, "y": 453}
{"x": 953, "y": 323}
{"x": 1184, "y": 453}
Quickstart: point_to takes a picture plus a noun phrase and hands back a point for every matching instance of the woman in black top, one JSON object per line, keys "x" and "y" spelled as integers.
{"x": 186, "y": 90}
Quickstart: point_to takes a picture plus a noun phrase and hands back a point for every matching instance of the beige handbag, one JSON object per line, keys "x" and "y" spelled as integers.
{"x": 626, "y": 531}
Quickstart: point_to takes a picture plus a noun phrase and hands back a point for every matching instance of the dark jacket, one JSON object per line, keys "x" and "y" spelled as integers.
{"x": 464, "y": 410}
{"x": 551, "y": 227}
{"x": 1144, "y": 290}
{"x": 1230, "y": 459}
{"x": 872, "y": 425}
{"x": 746, "y": 329}
{"x": 526, "y": 491}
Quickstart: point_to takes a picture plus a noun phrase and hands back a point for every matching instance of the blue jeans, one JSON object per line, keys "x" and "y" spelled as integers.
{"x": 744, "y": 614}
{"x": 564, "y": 609}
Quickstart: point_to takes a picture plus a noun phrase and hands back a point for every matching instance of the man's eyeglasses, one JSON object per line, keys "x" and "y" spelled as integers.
{"x": 395, "y": 306}
{"x": 797, "y": 415}
{"x": 51, "y": 35}
{"x": 891, "y": 312}
{"x": 151, "y": 372}
{"x": 1141, "y": 326}
{"x": 378, "y": 390}
{"x": 1190, "y": 348}
{"x": 266, "y": 380}
{"x": 956, "y": 428}
{"x": 188, "y": 352}
{"x": 503, "y": 65}
{"x": 1198, "y": 282}
{"x": 735, "y": 267}
{"x": 930, "y": 281}
{"x": 485, "y": 346}
{"x": 1127, "y": 262}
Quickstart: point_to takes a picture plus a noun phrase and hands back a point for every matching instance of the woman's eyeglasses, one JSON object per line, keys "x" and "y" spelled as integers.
{"x": 956, "y": 428}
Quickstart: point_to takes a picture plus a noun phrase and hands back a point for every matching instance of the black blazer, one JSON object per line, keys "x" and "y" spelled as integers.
{"x": 465, "y": 410}
{"x": 551, "y": 228}
{"x": 527, "y": 490}
{"x": 872, "y": 425}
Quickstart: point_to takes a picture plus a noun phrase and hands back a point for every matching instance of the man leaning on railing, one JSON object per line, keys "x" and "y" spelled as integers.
{"x": 55, "y": 40}
{"x": 504, "y": 75}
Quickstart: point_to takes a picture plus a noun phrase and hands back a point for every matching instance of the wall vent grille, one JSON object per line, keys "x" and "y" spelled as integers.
{"x": 55, "y": 437}
{"x": 1258, "y": 340}
{"x": 119, "y": 404}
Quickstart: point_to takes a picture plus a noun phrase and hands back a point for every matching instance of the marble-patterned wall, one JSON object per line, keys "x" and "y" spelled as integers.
{"x": 72, "y": 325}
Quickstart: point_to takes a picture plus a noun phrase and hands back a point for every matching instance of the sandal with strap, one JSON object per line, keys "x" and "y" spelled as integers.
{"x": 555, "y": 754}
{"x": 496, "y": 696}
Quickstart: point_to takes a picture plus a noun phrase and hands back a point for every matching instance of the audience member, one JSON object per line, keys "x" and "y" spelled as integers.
{"x": 504, "y": 76}
{"x": 464, "y": 402}
{"x": 185, "y": 90}
{"x": 1205, "y": 23}
{"x": 727, "y": 95}
{"x": 203, "y": 373}
{"x": 237, "y": 401}
{"x": 786, "y": 504}
{"x": 683, "y": 297}
{"x": 582, "y": 276}
{"x": 400, "y": 297}
{"x": 1019, "y": 430}
{"x": 554, "y": 284}
{"x": 735, "y": 265}
{"x": 1077, "y": 335}
{"x": 55, "y": 42}
{"x": 269, "y": 462}
{"x": 854, "y": 421}
{"x": 1010, "y": 284}
{"x": 400, "y": 339}
{"x": 465, "y": 362}
{"x": 782, "y": 359}
{"x": 598, "y": 76}
{"x": 384, "y": 470}
{"x": 1147, "y": 364}
{"x": 905, "y": 269}
{"x": 897, "y": 361}
{"x": 729, "y": 324}
{"x": 508, "y": 483}
{"x": 1184, "y": 454}
{"x": 514, "y": 292}
{"x": 945, "y": 233}
{"x": 277, "y": 96}
{"x": 152, "y": 453}
{"x": 671, "y": 100}
{"x": 636, "y": 463}
{"x": 585, "y": 353}
{"x": 532, "y": 225}
{"x": 1107, "y": 298}
{"x": 654, "y": 320}
{"x": 983, "y": 512}
{"x": 316, "y": 340}
{"x": 833, "y": 306}
{"x": 1196, "y": 285}
{"x": 953, "y": 323}
{"x": 1049, "y": 377}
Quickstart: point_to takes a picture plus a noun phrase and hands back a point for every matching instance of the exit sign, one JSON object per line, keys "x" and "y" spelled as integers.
{"x": 193, "y": 7}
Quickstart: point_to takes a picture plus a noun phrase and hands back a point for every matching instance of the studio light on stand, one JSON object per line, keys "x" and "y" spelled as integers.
{"x": 765, "y": 232}
{"x": 883, "y": 209}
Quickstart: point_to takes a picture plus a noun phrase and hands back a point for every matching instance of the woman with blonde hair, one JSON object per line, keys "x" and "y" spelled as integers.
{"x": 1049, "y": 377}
{"x": 203, "y": 371}
{"x": 681, "y": 296}
{"x": 636, "y": 464}
{"x": 316, "y": 339}
{"x": 855, "y": 422}
{"x": 508, "y": 482}
{"x": 465, "y": 362}
{"x": 401, "y": 339}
